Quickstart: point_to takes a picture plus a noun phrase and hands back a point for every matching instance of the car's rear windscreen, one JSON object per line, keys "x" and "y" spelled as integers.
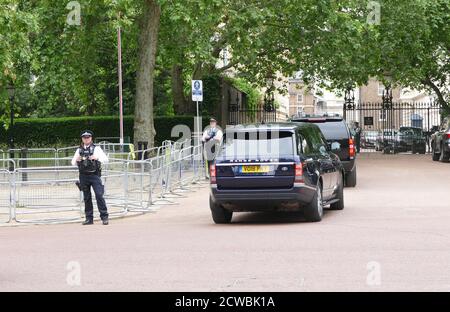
{"x": 333, "y": 130}
{"x": 389, "y": 133}
{"x": 258, "y": 144}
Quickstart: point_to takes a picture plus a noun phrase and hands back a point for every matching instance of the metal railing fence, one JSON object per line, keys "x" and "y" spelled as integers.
{"x": 40, "y": 188}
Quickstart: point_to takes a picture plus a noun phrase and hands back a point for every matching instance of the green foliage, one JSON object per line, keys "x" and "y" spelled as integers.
{"x": 62, "y": 70}
{"x": 76, "y": 66}
{"x": 60, "y": 132}
{"x": 212, "y": 96}
{"x": 254, "y": 97}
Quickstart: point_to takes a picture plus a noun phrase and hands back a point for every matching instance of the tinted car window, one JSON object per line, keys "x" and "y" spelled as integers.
{"x": 313, "y": 139}
{"x": 304, "y": 147}
{"x": 333, "y": 130}
{"x": 390, "y": 132}
{"x": 258, "y": 144}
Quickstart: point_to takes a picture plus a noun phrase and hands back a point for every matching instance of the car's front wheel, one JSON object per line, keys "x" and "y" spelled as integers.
{"x": 219, "y": 214}
{"x": 314, "y": 211}
{"x": 340, "y": 195}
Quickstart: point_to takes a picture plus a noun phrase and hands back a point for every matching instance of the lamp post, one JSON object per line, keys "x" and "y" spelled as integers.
{"x": 11, "y": 93}
{"x": 119, "y": 57}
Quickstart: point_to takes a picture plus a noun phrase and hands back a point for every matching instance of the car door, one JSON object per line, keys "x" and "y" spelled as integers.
{"x": 315, "y": 162}
{"x": 335, "y": 160}
{"x": 326, "y": 164}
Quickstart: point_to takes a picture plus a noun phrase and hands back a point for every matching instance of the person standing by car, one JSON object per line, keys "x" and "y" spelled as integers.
{"x": 357, "y": 130}
{"x": 212, "y": 136}
{"x": 89, "y": 159}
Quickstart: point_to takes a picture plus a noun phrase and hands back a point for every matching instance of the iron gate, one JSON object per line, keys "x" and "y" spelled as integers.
{"x": 247, "y": 116}
{"x": 393, "y": 127}
{"x": 240, "y": 113}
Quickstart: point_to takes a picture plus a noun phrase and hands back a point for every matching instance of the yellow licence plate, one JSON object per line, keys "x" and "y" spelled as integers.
{"x": 255, "y": 169}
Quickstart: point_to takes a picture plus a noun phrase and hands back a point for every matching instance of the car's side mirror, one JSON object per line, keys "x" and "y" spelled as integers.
{"x": 335, "y": 146}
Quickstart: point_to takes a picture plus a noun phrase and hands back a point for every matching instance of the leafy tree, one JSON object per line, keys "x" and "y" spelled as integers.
{"x": 16, "y": 26}
{"x": 144, "y": 130}
{"x": 414, "y": 41}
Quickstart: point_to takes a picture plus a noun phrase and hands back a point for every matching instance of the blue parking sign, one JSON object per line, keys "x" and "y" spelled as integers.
{"x": 197, "y": 90}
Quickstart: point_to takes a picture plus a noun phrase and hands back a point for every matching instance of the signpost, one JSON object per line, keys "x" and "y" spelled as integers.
{"x": 197, "y": 96}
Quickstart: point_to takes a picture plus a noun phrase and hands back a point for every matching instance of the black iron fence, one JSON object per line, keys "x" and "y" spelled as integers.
{"x": 393, "y": 127}
{"x": 246, "y": 116}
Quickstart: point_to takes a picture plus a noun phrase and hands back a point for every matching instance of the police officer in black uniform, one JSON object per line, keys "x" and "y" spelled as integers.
{"x": 89, "y": 159}
{"x": 358, "y": 137}
{"x": 212, "y": 136}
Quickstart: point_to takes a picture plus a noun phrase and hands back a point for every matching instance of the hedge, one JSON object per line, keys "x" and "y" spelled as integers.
{"x": 57, "y": 132}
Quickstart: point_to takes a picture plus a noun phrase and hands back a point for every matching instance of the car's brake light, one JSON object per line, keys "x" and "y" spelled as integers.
{"x": 448, "y": 135}
{"x": 351, "y": 148}
{"x": 299, "y": 173}
{"x": 212, "y": 174}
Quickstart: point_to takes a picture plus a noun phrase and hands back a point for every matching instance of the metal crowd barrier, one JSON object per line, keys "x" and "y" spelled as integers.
{"x": 44, "y": 190}
{"x": 7, "y": 189}
{"x": 48, "y": 194}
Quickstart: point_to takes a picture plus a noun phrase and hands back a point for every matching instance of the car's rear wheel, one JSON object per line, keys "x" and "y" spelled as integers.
{"x": 314, "y": 211}
{"x": 423, "y": 149}
{"x": 340, "y": 204}
{"x": 445, "y": 156}
{"x": 350, "y": 179}
{"x": 219, "y": 214}
{"x": 435, "y": 156}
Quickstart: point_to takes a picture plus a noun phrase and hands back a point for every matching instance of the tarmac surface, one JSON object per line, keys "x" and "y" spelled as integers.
{"x": 393, "y": 235}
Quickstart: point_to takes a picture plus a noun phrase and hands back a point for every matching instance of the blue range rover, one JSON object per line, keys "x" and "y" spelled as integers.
{"x": 281, "y": 167}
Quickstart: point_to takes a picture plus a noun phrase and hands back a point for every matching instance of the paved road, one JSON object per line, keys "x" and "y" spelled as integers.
{"x": 394, "y": 234}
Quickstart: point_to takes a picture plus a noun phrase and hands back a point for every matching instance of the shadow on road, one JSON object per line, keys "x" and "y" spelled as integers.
{"x": 263, "y": 218}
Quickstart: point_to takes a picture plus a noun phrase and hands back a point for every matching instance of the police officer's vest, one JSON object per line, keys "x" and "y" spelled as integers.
{"x": 212, "y": 133}
{"x": 87, "y": 166}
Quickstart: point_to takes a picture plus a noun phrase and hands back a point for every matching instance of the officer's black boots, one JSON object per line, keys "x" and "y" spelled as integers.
{"x": 90, "y": 222}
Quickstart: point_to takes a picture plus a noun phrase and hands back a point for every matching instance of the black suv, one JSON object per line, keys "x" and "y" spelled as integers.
{"x": 411, "y": 139}
{"x": 335, "y": 129}
{"x": 440, "y": 142}
{"x": 280, "y": 166}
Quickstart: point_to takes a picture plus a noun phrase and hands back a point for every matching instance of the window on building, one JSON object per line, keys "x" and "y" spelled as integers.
{"x": 381, "y": 89}
{"x": 300, "y": 99}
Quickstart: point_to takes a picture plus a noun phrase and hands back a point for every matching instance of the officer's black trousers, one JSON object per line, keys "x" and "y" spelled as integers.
{"x": 86, "y": 182}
